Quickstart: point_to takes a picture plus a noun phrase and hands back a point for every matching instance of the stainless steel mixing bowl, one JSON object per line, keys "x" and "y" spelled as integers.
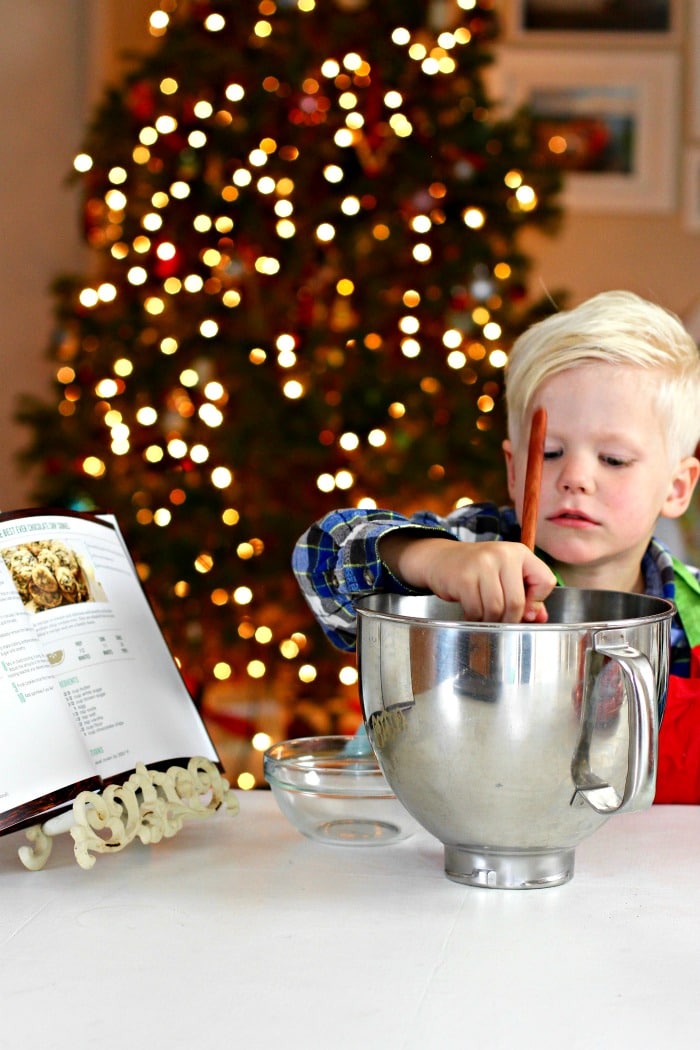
{"x": 511, "y": 742}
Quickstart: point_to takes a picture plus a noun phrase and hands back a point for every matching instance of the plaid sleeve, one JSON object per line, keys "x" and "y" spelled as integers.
{"x": 336, "y": 560}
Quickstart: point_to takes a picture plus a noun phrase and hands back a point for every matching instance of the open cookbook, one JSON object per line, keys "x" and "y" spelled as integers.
{"x": 88, "y": 686}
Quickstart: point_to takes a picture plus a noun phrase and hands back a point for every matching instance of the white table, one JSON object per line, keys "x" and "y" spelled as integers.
{"x": 240, "y": 933}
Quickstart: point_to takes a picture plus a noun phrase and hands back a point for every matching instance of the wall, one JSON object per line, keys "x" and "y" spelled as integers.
{"x": 42, "y": 91}
{"x": 649, "y": 254}
{"x": 54, "y": 57}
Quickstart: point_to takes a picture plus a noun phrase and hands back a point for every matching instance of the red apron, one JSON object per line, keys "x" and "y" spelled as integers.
{"x": 678, "y": 770}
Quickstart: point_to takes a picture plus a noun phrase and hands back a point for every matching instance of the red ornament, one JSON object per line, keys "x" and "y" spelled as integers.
{"x": 168, "y": 267}
{"x": 140, "y": 100}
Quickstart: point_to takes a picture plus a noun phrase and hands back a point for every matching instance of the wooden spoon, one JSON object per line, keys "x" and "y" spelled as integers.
{"x": 533, "y": 477}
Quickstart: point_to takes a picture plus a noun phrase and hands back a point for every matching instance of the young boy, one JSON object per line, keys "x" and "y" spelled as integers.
{"x": 619, "y": 378}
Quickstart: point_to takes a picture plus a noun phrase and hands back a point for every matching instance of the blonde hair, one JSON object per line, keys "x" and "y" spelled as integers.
{"x": 617, "y": 328}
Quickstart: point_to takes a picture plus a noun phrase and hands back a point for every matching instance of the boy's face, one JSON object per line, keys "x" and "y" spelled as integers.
{"x": 606, "y": 476}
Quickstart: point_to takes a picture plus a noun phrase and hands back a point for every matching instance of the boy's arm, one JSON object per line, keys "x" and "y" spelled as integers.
{"x": 337, "y": 560}
{"x": 352, "y": 553}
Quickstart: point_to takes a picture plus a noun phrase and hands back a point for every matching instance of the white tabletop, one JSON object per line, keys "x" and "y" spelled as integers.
{"x": 239, "y": 932}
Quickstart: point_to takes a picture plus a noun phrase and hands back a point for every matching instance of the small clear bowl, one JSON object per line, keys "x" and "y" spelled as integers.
{"x": 332, "y": 794}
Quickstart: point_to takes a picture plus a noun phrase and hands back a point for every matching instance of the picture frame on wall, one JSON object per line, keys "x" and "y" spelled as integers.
{"x": 691, "y": 190}
{"x": 607, "y": 21}
{"x": 608, "y": 120}
{"x": 694, "y": 76}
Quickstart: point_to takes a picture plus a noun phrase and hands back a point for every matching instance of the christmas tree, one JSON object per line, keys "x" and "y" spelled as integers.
{"x": 304, "y": 222}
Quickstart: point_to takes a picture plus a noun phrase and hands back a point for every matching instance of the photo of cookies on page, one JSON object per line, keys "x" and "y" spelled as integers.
{"x": 47, "y": 574}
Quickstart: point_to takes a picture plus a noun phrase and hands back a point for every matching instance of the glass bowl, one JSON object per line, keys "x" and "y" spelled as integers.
{"x": 332, "y": 794}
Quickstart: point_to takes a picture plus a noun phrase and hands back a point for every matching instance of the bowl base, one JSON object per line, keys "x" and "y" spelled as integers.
{"x": 509, "y": 869}
{"x": 357, "y": 832}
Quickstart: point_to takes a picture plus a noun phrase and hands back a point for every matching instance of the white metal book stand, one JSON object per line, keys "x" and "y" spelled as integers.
{"x": 151, "y": 805}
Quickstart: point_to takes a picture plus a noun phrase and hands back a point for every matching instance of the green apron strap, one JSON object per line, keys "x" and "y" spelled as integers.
{"x": 560, "y": 582}
{"x": 687, "y": 601}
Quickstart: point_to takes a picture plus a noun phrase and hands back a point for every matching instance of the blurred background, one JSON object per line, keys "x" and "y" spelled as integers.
{"x": 284, "y": 270}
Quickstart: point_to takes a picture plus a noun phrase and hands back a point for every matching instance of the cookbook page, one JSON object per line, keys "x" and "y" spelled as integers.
{"x": 44, "y": 760}
{"x": 107, "y": 655}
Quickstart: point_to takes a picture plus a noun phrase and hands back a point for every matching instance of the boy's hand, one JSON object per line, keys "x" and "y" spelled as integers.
{"x": 493, "y": 581}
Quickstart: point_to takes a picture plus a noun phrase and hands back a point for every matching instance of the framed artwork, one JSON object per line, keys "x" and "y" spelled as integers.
{"x": 691, "y": 190}
{"x": 610, "y": 21}
{"x": 608, "y": 120}
{"x": 694, "y": 71}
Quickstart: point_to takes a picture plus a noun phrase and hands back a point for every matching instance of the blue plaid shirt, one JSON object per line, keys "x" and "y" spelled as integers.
{"x": 336, "y": 562}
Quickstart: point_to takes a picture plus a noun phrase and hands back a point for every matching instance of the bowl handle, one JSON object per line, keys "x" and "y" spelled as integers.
{"x": 640, "y": 783}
